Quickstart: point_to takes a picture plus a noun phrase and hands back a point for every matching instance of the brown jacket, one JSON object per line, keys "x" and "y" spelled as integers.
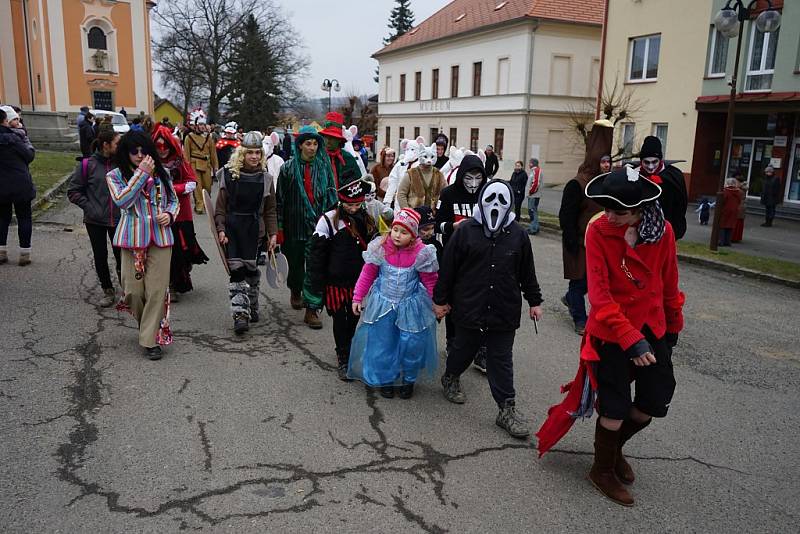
{"x": 412, "y": 193}
{"x": 201, "y": 152}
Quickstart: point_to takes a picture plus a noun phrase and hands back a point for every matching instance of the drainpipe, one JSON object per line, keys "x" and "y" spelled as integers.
{"x": 28, "y": 52}
{"x": 529, "y": 72}
{"x": 602, "y": 63}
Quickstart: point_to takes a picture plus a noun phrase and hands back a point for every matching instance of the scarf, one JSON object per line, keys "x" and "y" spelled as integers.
{"x": 651, "y": 227}
{"x": 335, "y": 155}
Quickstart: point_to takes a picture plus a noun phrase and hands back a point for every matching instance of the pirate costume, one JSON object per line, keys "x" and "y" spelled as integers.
{"x": 636, "y": 312}
{"x": 245, "y": 211}
{"x": 336, "y": 260}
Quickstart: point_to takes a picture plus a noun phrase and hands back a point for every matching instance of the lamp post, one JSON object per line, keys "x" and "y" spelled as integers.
{"x": 729, "y": 21}
{"x": 328, "y": 85}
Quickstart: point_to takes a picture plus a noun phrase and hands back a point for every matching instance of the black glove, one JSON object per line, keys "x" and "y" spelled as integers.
{"x": 671, "y": 339}
{"x": 640, "y": 348}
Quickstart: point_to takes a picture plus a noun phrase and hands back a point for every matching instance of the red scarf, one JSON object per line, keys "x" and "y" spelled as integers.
{"x": 335, "y": 155}
{"x": 307, "y": 184}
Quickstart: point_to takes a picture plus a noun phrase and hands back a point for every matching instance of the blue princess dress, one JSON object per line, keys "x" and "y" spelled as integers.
{"x": 396, "y": 338}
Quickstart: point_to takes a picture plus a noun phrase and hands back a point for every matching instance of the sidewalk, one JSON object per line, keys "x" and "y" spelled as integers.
{"x": 782, "y": 241}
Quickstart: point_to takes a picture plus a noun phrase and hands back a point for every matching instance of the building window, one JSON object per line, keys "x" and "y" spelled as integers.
{"x": 97, "y": 38}
{"x": 555, "y": 146}
{"x": 503, "y": 75}
{"x": 477, "y": 70}
{"x": 435, "y": 84}
{"x": 498, "y": 142}
{"x": 717, "y": 53}
{"x": 473, "y": 139}
{"x": 660, "y": 130}
{"x": 402, "y": 88}
{"x": 416, "y": 132}
{"x": 417, "y": 85}
{"x": 761, "y": 62}
{"x": 643, "y": 62}
{"x": 628, "y": 132}
{"x": 388, "y": 89}
{"x": 434, "y": 132}
{"x": 388, "y": 140}
{"x": 453, "y": 136}
{"x": 402, "y": 134}
{"x": 560, "y": 75}
{"x": 103, "y": 100}
{"x": 454, "y": 81}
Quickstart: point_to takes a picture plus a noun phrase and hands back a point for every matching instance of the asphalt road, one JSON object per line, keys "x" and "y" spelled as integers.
{"x": 256, "y": 434}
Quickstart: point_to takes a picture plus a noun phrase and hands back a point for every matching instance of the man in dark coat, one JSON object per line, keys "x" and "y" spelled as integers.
{"x": 492, "y": 163}
{"x": 17, "y": 191}
{"x": 86, "y": 135}
{"x": 575, "y": 213}
{"x": 674, "y": 198}
{"x": 770, "y": 195}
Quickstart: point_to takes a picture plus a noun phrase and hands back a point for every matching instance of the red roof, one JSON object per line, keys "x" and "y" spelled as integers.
{"x": 462, "y": 16}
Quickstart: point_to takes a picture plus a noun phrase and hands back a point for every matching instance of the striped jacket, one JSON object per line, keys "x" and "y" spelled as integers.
{"x": 137, "y": 227}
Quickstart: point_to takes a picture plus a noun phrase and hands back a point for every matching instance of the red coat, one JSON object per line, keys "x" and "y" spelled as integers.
{"x": 732, "y": 197}
{"x": 621, "y": 306}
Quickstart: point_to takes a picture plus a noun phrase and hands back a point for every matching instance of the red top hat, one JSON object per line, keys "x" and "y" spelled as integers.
{"x": 334, "y": 122}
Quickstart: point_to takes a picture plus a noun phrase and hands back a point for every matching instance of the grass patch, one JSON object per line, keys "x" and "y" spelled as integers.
{"x": 49, "y": 167}
{"x": 781, "y": 268}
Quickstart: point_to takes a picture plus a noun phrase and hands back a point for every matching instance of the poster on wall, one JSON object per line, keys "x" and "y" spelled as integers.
{"x": 775, "y": 163}
{"x": 780, "y": 141}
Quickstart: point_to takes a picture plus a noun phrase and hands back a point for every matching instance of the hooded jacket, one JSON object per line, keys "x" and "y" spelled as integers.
{"x": 455, "y": 202}
{"x": 89, "y": 191}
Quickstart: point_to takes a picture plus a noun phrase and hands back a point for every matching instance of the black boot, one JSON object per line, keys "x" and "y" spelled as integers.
{"x": 406, "y": 390}
{"x": 622, "y": 468}
{"x": 342, "y": 361}
{"x": 387, "y": 392}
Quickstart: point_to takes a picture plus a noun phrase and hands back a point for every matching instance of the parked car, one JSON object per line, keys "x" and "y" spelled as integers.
{"x": 118, "y": 120}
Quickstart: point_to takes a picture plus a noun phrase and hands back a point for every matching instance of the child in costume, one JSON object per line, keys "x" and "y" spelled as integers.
{"x": 427, "y": 230}
{"x": 397, "y": 335}
{"x": 337, "y": 245}
{"x": 245, "y": 211}
{"x": 186, "y": 251}
{"x": 704, "y": 211}
{"x": 380, "y": 212}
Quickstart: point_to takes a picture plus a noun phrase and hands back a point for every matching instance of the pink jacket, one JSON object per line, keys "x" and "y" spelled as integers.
{"x": 403, "y": 257}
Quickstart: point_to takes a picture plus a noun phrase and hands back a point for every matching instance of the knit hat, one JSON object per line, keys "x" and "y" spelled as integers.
{"x": 425, "y": 215}
{"x": 651, "y": 148}
{"x": 622, "y": 189}
{"x": 408, "y": 219}
{"x": 10, "y": 113}
{"x": 305, "y": 133}
{"x": 253, "y": 139}
{"x": 606, "y": 158}
{"x": 334, "y": 122}
{"x": 353, "y": 193}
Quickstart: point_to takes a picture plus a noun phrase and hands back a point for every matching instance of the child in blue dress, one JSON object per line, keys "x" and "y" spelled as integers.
{"x": 396, "y": 338}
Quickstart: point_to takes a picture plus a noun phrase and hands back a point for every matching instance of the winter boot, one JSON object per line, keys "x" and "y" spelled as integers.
{"x": 342, "y": 361}
{"x": 451, "y": 387}
{"x": 240, "y": 306}
{"x": 606, "y": 447}
{"x": 406, "y": 390}
{"x": 241, "y": 323}
{"x": 312, "y": 319}
{"x": 296, "y": 300}
{"x": 24, "y": 256}
{"x": 511, "y": 421}
{"x": 3, "y": 254}
{"x": 109, "y": 297}
{"x": 480, "y": 360}
{"x": 387, "y": 392}
{"x": 254, "y": 282}
{"x": 622, "y": 468}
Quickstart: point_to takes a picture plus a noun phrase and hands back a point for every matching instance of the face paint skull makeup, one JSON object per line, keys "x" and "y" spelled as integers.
{"x": 473, "y": 181}
{"x": 494, "y": 207}
{"x": 650, "y": 164}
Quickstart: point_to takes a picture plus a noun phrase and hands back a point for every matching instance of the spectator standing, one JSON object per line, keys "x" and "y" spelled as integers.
{"x": 770, "y": 195}
{"x": 731, "y": 199}
{"x": 533, "y": 190}
{"x": 123, "y": 112}
{"x": 82, "y": 115}
{"x": 86, "y": 135}
{"x": 738, "y": 231}
{"x": 518, "y": 181}
{"x": 17, "y": 192}
{"x": 492, "y": 163}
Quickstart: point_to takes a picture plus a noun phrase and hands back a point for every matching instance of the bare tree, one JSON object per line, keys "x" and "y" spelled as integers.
{"x": 617, "y": 104}
{"x": 358, "y": 110}
{"x": 173, "y": 58}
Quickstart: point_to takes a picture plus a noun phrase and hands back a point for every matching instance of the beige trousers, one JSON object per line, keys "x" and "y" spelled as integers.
{"x": 146, "y": 296}
{"x": 203, "y": 183}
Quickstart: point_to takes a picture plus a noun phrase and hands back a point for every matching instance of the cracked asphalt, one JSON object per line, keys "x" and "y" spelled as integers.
{"x": 256, "y": 434}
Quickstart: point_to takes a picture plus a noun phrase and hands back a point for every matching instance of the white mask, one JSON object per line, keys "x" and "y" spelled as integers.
{"x": 427, "y": 155}
{"x": 473, "y": 181}
{"x": 494, "y": 207}
{"x": 650, "y": 164}
{"x": 369, "y": 197}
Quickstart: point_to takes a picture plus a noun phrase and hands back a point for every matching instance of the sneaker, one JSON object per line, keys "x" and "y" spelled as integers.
{"x": 452, "y": 389}
{"x": 240, "y": 323}
{"x": 480, "y": 360}
{"x": 387, "y": 392}
{"x": 153, "y": 353}
{"x": 406, "y": 390}
{"x": 512, "y": 422}
{"x": 254, "y": 316}
{"x": 109, "y": 297}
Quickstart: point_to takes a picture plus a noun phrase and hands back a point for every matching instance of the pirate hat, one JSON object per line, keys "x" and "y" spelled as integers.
{"x": 334, "y": 122}
{"x": 622, "y": 189}
{"x": 353, "y": 193}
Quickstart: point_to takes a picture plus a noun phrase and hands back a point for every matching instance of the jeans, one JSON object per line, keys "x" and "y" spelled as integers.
{"x": 533, "y": 213}
{"x": 575, "y": 301}
{"x": 24, "y": 222}
{"x": 97, "y": 237}
{"x": 499, "y": 359}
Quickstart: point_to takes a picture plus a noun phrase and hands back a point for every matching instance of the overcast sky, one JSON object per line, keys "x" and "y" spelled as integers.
{"x": 341, "y": 35}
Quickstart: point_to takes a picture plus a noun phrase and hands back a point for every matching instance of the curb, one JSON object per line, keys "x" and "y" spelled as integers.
{"x": 702, "y": 262}
{"x": 51, "y": 193}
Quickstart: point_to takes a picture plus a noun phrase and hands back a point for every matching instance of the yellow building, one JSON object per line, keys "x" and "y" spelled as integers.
{"x": 164, "y": 109}
{"x": 59, "y": 55}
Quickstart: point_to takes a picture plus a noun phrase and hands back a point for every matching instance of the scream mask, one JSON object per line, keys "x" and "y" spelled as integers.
{"x": 495, "y": 205}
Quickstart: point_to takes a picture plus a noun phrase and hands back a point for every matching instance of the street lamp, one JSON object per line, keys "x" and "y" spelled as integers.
{"x": 328, "y": 85}
{"x": 728, "y": 21}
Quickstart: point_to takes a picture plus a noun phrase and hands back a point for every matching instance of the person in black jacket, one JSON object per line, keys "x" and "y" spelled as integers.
{"x": 487, "y": 264}
{"x": 519, "y": 179}
{"x": 86, "y": 135}
{"x": 771, "y": 195}
{"x": 335, "y": 262}
{"x": 88, "y": 190}
{"x": 492, "y": 163}
{"x": 674, "y": 198}
{"x": 17, "y": 189}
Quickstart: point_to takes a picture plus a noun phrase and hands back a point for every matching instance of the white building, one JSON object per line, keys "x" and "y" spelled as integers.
{"x": 504, "y": 73}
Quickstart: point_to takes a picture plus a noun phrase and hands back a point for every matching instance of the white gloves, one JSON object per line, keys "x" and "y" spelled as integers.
{"x": 190, "y": 187}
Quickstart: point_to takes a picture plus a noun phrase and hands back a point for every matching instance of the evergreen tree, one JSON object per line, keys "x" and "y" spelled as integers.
{"x": 255, "y": 94}
{"x": 401, "y": 20}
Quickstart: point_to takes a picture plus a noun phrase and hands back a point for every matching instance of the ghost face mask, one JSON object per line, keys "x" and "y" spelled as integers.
{"x": 494, "y": 207}
{"x": 473, "y": 180}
